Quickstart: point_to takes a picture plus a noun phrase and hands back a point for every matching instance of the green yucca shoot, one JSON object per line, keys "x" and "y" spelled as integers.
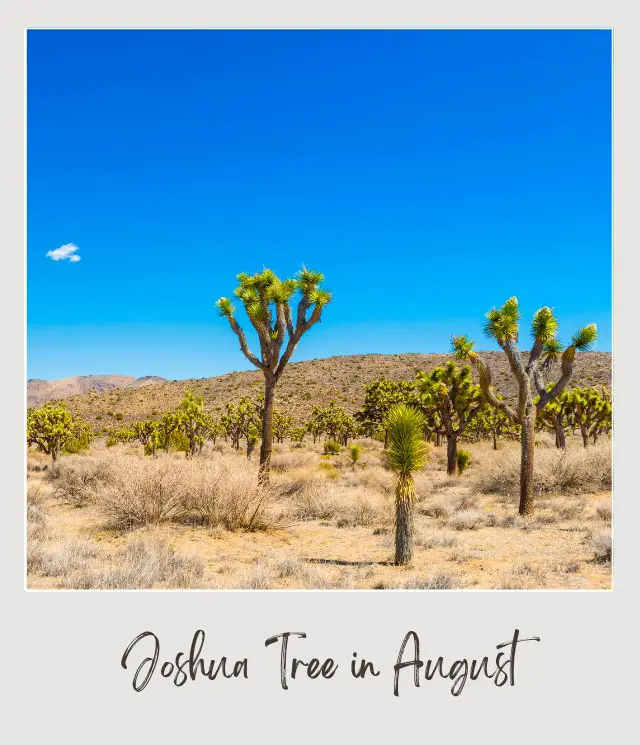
{"x": 407, "y": 453}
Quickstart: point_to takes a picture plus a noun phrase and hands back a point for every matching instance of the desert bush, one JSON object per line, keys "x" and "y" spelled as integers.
{"x": 576, "y": 471}
{"x": 77, "y": 480}
{"x": 469, "y": 519}
{"x": 229, "y": 495}
{"x": 292, "y": 460}
{"x": 363, "y": 512}
{"x": 331, "y": 447}
{"x": 522, "y": 576}
{"x": 601, "y": 544}
{"x": 603, "y": 510}
{"x": 144, "y": 492}
{"x": 439, "y": 508}
{"x": 354, "y": 454}
{"x": 463, "y": 458}
{"x": 314, "y": 501}
{"x": 143, "y": 564}
{"x": 59, "y": 559}
{"x": 439, "y": 581}
{"x": 436, "y": 539}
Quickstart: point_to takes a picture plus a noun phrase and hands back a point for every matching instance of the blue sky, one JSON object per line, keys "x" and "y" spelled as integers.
{"x": 429, "y": 174}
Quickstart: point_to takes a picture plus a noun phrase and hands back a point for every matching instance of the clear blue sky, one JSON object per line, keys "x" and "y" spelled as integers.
{"x": 429, "y": 174}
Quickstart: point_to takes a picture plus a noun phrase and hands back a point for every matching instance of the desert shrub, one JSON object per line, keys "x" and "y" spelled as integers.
{"x": 601, "y": 544}
{"x": 577, "y": 471}
{"x": 603, "y": 510}
{"x": 331, "y": 447}
{"x": 228, "y": 495}
{"x": 435, "y": 539}
{"x": 354, "y": 454}
{"x": 143, "y": 564}
{"x": 522, "y": 576}
{"x": 439, "y": 581}
{"x": 78, "y": 480}
{"x": 329, "y": 469}
{"x": 363, "y": 512}
{"x": 290, "y": 461}
{"x": 59, "y": 559}
{"x": 464, "y": 459}
{"x": 466, "y": 520}
{"x": 439, "y": 508}
{"x": 314, "y": 502}
{"x": 144, "y": 492}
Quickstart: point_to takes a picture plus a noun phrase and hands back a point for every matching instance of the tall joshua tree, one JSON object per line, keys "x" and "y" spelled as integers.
{"x": 407, "y": 452}
{"x": 268, "y": 302}
{"x": 503, "y": 325}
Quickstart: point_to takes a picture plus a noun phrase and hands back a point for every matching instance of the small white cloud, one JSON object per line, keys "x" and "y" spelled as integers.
{"x": 68, "y": 251}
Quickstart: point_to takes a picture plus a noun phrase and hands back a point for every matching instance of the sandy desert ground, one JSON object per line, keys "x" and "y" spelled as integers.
{"x": 115, "y": 519}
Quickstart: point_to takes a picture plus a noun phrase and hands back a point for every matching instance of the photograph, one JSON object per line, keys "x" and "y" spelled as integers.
{"x": 318, "y": 309}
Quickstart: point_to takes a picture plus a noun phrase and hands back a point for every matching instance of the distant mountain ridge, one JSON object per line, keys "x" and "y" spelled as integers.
{"x": 39, "y": 391}
{"x": 303, "y": 385}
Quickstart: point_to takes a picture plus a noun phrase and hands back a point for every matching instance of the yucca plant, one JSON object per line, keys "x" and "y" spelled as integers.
{"x": 407, "y": 453}
{"x": 268, "y": 302}
{"x": 502, "y": 325}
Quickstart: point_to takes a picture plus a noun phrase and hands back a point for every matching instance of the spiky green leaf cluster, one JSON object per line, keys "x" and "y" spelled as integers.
{"x": 502, "y": 323}
{"x": 583, "y": 340}
{"x": 407, "y": 451}
{"x": 544, "y": 326}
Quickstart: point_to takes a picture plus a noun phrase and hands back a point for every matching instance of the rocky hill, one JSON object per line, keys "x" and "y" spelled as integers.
{"x": 39, "y": 391}
{"x": 303, "y": 385}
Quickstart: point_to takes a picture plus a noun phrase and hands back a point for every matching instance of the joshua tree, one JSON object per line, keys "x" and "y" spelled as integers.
{"x": 167, "y": 425}
{"x": 495, "y": 421}
{"x": 282, "y": 425}
{"x": 592, "y": 412}
{"x": 453, "y": 394}
{"x": 406, "y": 453}
{"x": 49, "y": 428}
{"x": 558, "y": 415}
{"x": 503, "y": 325}
{"x": 192, "y": 421}
{"x": 268, "y": 303}
{"x": 147, "y": 435}
{"x": 379, "y": 397}
{"x": 240, "y": 418}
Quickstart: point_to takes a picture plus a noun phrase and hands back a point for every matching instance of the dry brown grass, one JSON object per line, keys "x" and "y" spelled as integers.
{"x": 572, "y": 471}
{"x": 116, "y": 519}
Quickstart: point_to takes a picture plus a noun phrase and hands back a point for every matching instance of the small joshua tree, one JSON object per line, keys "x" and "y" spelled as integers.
{"x": 502, "y": 325}
{"x": 49, "y": 428}
{"x": 192, "y": 422}
{"x": 406, "y": 453}
{"x": 268, "y": 303}
{"x": 453, "y": 394}
{"x": 379, "y": 397}
{"x": 354, "y": 454}
{"x": 592, "y": 412}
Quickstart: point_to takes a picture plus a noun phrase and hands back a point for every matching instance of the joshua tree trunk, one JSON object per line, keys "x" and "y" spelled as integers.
{"x": 561, "y": 441}
{"x": 405, "y": 492}
{"x": 55, "y": 451}
{"x": 267, "y": 430}
{"x": 452, "y": 455}
{"x": 250, "y": 448}
{"x": 527, "y": 440}
{"x": 585, "y": 436}
{"x": 386, "y": 438}
{"x": 495, "y": 440}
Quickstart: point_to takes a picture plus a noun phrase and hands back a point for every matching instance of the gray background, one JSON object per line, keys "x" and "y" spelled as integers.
{"x": 61, "y": 650}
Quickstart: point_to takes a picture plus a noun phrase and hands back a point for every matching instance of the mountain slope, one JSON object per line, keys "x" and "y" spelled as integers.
{"x": 39, "y": 391}
{"x": 304, "y": 384}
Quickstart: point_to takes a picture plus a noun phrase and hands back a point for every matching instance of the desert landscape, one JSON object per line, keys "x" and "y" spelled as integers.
{"x": 105, "y": 515}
